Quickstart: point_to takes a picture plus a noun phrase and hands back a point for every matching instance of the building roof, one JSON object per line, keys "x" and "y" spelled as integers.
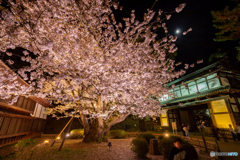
{"x": 41, "y": 101}
{"x": 219, "y": 65}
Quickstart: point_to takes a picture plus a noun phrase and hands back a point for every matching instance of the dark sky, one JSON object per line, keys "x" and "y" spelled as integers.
{"x": 197, "y": 44}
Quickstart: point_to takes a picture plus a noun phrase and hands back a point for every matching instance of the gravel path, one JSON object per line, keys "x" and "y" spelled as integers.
{"x": 75, "y": 149}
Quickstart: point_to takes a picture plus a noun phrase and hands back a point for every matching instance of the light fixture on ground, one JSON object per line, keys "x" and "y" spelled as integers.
{"x": 67, "y": 135}
{"x": 46, "y": 142}
{"x": 58, "y": 137}
{"x": 166, "y": 135}
{"x": 109, "y": 145}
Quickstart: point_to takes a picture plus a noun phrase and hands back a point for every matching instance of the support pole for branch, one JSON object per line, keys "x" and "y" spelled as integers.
{"x": 64, "y": 138}
{"x": 62, "y": 131}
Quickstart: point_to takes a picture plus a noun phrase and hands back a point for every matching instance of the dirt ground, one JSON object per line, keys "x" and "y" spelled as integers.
{"x": 75, "y": 149}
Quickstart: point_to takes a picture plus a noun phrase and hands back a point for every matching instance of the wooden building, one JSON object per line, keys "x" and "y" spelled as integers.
{"x": 211, "y": 95}
{"x": 24, "y": 119}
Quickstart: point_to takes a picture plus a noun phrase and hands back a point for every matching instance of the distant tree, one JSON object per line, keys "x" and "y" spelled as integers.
{"x": 228, "y": 22}
{"x": 218, "y": 55}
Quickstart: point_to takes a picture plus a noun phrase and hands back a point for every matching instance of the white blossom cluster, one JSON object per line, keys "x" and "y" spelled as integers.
{"x": 86, "y": 60}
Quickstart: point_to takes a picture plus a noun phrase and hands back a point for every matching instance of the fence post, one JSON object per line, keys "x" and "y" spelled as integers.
{"x": 205, "y": 145}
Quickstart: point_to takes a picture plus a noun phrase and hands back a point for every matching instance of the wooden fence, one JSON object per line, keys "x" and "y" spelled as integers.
{"x": 52, "y": 136}
{"x": 11, "y": 139}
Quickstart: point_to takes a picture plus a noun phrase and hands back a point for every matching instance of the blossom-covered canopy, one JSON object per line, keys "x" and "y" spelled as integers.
{"x": 88, "y": 63}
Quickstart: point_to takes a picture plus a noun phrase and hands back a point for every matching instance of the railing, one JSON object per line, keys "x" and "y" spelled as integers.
{"x": 199, "y": 142}
{"x": 194, "y": 141}
{"x": 224, "y": 131}
{"x": 49, "y": 136}
{"x": 14, "y": 138}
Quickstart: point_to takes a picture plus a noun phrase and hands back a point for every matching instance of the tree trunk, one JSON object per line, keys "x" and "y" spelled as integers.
{"x": 142, "y": 125}
{"x": 97, "y": 131}
{"x": 95, "y": 134}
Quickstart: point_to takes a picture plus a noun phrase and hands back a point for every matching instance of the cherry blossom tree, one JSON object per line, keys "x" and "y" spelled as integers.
{"x": 88, "y": 65}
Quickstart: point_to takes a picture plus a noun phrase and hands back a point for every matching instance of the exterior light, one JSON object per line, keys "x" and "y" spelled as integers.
{"x": 46, "y": 141}
{"x": 109, "y": 145}
{"x": 166, "y": 135}
{"x": 67, "y": 135}
{"x": 58, "y": 137}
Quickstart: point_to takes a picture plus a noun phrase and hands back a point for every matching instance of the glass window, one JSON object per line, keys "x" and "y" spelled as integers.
{"x": 164, "y": 114}
{"x": 177, "y": 93}
{"x": 213, "y": 83}
{"x": 201, "y": 80}
{"x": 191, "y": 83}
{"x": 165, "y": 97}
{"x": 202, "y": 86}
{"x": 219, "y": 106}
{"x": 184, "y": 91}
{"x": 212, "y": 76}
{"x": 164, "y": 122}
{"x": 192, "y": 89}
{"x": 176, "y": 88}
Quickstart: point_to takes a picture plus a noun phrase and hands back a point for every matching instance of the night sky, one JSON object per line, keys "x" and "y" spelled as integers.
{"x": 197, "y": 44}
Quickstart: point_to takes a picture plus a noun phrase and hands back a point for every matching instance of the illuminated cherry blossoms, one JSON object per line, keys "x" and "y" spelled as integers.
{"x": 88, "y": 64}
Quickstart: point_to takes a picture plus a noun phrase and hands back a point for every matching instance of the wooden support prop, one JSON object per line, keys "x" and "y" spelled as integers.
{"x": 62, "y": 130}
{"x": 68, "y": 129}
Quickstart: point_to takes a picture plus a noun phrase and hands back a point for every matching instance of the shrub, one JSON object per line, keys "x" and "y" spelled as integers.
{"x": 140, "y": 147}
{"x": 160, "y": 137}
{"x": 146, "y": 136}
{"x": 167, "y": 143}
{"x": 76, "y": 134}
{"x": 24, "y": 149}
{"x": 117, "y": 133}
{"x": 26, "y": 142}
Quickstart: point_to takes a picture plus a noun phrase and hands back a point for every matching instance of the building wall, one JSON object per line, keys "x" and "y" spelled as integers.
{"x": 16, "y": 122}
